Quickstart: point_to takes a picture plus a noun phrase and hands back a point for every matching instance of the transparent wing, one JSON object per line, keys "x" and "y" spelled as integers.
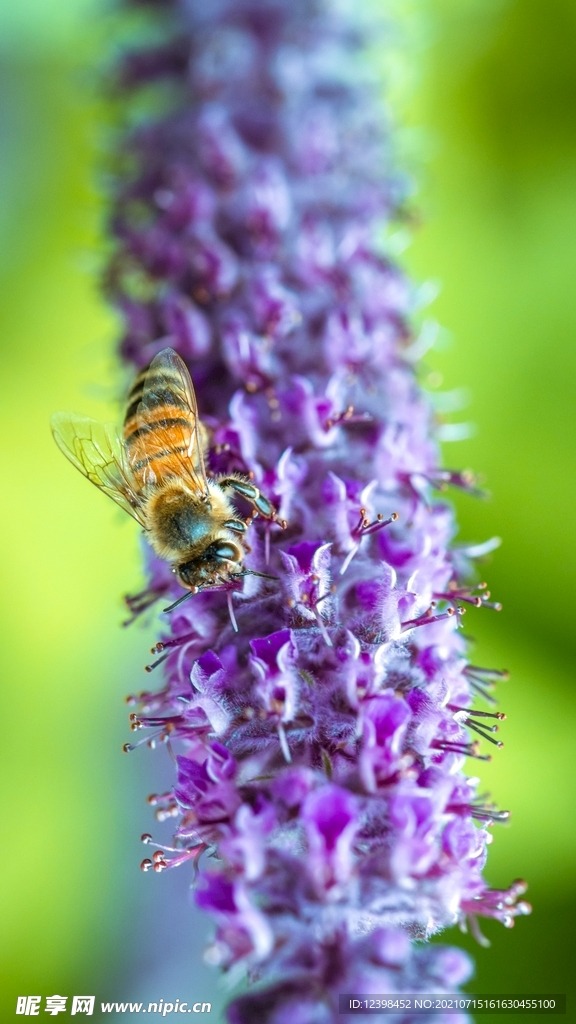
{"x": 168, "y": 383}
{"x": 98, "y": 453}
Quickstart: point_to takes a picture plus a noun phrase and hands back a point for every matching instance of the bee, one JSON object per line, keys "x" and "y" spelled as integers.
{"x": 156, "y": 472}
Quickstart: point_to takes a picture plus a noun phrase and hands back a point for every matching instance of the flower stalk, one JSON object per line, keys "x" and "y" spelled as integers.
{"x": 320, "y": 710}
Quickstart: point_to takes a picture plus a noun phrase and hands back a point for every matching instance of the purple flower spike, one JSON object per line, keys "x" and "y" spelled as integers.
{"x": 384, "y": 723}
{"x": 330, "y": 820}
{"x": 319, "y": 705}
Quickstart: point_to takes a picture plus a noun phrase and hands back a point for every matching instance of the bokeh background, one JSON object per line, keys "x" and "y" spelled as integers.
{"x": 485, "y": 92}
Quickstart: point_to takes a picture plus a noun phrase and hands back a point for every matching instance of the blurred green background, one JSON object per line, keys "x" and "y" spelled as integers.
{"x": 486, "y": 93}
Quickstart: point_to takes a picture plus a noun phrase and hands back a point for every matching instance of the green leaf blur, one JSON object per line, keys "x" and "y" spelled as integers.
{"x": 496, "y": 110}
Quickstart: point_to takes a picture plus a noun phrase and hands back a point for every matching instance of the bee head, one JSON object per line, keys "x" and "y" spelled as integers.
{"x": 215, "y": 561}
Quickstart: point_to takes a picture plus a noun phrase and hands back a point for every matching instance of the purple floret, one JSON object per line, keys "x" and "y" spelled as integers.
{"x": 320, "y": 709}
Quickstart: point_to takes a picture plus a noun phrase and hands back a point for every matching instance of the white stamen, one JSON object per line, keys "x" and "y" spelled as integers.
{"x": 477, "y": 550}
{"x": 284, "y": 744}
{"x": 348, "y": 559}
{"x": 231, "y": 612}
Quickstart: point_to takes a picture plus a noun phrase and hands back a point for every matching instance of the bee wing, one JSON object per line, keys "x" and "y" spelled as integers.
{"x": 98, "y": 453}
{"x": 168, "y": 382}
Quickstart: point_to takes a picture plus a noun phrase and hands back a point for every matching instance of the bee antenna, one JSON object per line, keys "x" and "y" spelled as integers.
{"x": 252, "y": 572}
{"x": 180, "y": 600}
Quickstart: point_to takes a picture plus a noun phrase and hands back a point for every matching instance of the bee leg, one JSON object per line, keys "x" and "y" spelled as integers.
{"x": 236, "y": 525}
{"x": 250, "y": 492}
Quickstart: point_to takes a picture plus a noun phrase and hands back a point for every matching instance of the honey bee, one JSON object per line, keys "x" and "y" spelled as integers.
{"x": 156, "y": 473}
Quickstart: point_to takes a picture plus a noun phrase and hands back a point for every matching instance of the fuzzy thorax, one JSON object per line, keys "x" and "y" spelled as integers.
{"x": 182, "y": 524}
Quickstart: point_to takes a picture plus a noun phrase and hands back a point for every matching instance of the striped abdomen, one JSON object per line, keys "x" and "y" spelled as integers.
{"x": 160, "y": 427}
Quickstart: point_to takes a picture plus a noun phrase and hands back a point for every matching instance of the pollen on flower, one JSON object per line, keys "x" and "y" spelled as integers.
{"x": 318, "y": 707}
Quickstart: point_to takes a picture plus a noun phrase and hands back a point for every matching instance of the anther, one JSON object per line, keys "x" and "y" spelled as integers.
{"x": 174, "y": 642}
{"x": 362, "y": 529}
{"x": 378, "y": 524}
{"x": 478, "y": 714}
{"x": 518, "y": 888}
{"x": 148, "y": 740}
{"x": 163, "y": 813}
{"x": 426, "y": 619}
{"x": 467, "y": 749}
{"x": 154, "y": 664}
{"x": 146, "y": 838}
{"x": 466, "y": 594}
{"x": 484, "y": 733}
{"x": 348, "y": 416}
{"x": 146, "y": 864}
